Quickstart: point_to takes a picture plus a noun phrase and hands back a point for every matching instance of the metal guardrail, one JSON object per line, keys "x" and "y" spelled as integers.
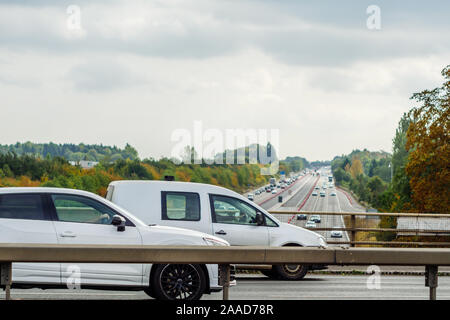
{"x": 353, "y": 229}
{"x": 223, "y": 256}
{"x": 379, "y": 214}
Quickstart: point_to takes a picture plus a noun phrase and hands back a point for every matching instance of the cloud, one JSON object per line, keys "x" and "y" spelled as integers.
{"x": 310, "y": 69}
{"x": 291, "y": 32}
{"x": 103, "y": 75}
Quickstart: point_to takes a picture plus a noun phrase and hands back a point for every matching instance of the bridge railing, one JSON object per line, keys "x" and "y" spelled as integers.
{"x": 355, "y": 222}
{"x": 431, "y": 258}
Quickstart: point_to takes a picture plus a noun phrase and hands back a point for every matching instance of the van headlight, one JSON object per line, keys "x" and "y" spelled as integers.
{"x": 215, "y": 242}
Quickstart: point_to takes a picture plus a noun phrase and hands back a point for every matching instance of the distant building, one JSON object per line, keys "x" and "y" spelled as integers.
{"x": 84, "y": 164}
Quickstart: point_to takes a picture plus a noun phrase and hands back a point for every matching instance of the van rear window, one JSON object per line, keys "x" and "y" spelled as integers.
{"x": 180, "y": 206}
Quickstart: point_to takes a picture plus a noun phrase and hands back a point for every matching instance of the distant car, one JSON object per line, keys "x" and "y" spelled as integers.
{"x": 251, "y": 196}
{"x": 278, "y": 186}
{"x": 283, "y": 186}
{"x": 322, "y": 194}
{"x": 315, "y": 218}
{"x": 268, "y": 190}
{"x": 310, "y": 224}
{"x": 316, "y": 188}
{"x": 333, "y": 194}
{"x": 302, "y": 216}
{"x": 257, "y": 192}
{"x": 274, "y": 191}
{"x": 314, "y": 194}
{"x": 336, "y": 233}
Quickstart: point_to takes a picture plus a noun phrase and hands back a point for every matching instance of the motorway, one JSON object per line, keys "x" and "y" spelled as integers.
{"x": 300, "y": 199}
{"x": 258, "y": 287}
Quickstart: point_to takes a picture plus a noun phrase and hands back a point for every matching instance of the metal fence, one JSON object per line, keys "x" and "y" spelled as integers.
{"x": 409, "y": 225}
{"x": 223, "y": 256}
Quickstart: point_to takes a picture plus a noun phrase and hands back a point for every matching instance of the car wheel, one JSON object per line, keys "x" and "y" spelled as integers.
{"x": 178, "y": 282}
{"x": 290, "y": 271}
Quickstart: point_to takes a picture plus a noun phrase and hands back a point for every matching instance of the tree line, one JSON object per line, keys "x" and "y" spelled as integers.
{"x": 416, "y": 177}
{"x": 71, "y": 152}
{"x": 33, "y": 170}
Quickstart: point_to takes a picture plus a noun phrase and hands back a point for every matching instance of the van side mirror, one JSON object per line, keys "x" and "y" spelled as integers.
{"x": 259, "y": 219}
{"x": 119, "y": 222}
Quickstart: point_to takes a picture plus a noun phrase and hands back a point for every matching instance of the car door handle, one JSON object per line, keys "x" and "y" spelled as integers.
{"x": 67, "y": 234}
{"x": 221, "y": 232}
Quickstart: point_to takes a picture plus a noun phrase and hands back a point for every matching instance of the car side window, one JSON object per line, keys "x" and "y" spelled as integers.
{"x": 180, "y": 206}
{"x": 22, "y": 206}
{"x": 70, "y": 208}
{"x": 232, "y": 210}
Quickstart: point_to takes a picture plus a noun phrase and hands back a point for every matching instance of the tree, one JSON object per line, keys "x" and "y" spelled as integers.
{"x": 7, "y": 171}
{"x": 428, "y": 143}
{"x": 400, "y": 188}
{"x": 356, "y": 168}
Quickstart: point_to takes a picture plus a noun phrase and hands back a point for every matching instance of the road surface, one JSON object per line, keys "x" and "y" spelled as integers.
{"x": 302, "y": 200}
{"x": 256, "y": 287}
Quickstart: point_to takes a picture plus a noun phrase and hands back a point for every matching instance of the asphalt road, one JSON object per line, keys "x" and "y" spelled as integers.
{"x": 255, "y": 287}
{"x": 302, "y": 199}
{"x": 267, "y": 200}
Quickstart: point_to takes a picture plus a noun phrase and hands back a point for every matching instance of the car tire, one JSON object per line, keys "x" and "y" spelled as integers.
{"x": 178, "y": 282}
{"x": 290, "y": 271}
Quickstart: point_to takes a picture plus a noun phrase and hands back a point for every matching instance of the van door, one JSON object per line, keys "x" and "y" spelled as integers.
{"x": 234, "y": 220}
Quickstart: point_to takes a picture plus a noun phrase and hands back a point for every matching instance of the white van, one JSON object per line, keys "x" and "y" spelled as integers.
{"x": 216, "y": 211}
{"x": 66, "y": 216}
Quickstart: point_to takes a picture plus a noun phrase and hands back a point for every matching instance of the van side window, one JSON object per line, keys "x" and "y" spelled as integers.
{"x": 180, "y": 206}
{"x": 232, "y": 210}
{"x": 21, "y": 206}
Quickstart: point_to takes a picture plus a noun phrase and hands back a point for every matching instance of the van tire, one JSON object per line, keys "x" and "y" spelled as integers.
{"x": 290, "y": 271}
{"x": 169, "y": 282}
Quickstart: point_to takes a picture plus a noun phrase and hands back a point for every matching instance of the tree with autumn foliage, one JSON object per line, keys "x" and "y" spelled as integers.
{"x": 429, "y": 152}
{"x": 356, "y": 168}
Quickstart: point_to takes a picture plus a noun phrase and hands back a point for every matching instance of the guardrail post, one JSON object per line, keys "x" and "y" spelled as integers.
{"x": 6, "y": 278}
{"x": 224, "y": 279}
{"x": 353, "y": 232}
{"x": 431, "y": 280}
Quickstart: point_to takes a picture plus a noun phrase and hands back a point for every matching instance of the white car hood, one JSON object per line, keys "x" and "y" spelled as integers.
{"x": 307, "y": 237}
{"x": 192, "y": 235}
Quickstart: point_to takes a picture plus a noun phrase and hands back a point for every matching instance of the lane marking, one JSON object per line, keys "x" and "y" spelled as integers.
{"x": 342, "y": 219}
{"x": 299, "y": 190}
{"x": 306, "y": 198}
{"x": 279, "y": 193}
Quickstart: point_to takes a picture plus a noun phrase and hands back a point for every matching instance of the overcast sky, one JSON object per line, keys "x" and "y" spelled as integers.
{"x": 136, "y": 71}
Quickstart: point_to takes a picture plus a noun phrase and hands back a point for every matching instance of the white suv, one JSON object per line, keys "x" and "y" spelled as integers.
{"x": 65, "y": 216}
